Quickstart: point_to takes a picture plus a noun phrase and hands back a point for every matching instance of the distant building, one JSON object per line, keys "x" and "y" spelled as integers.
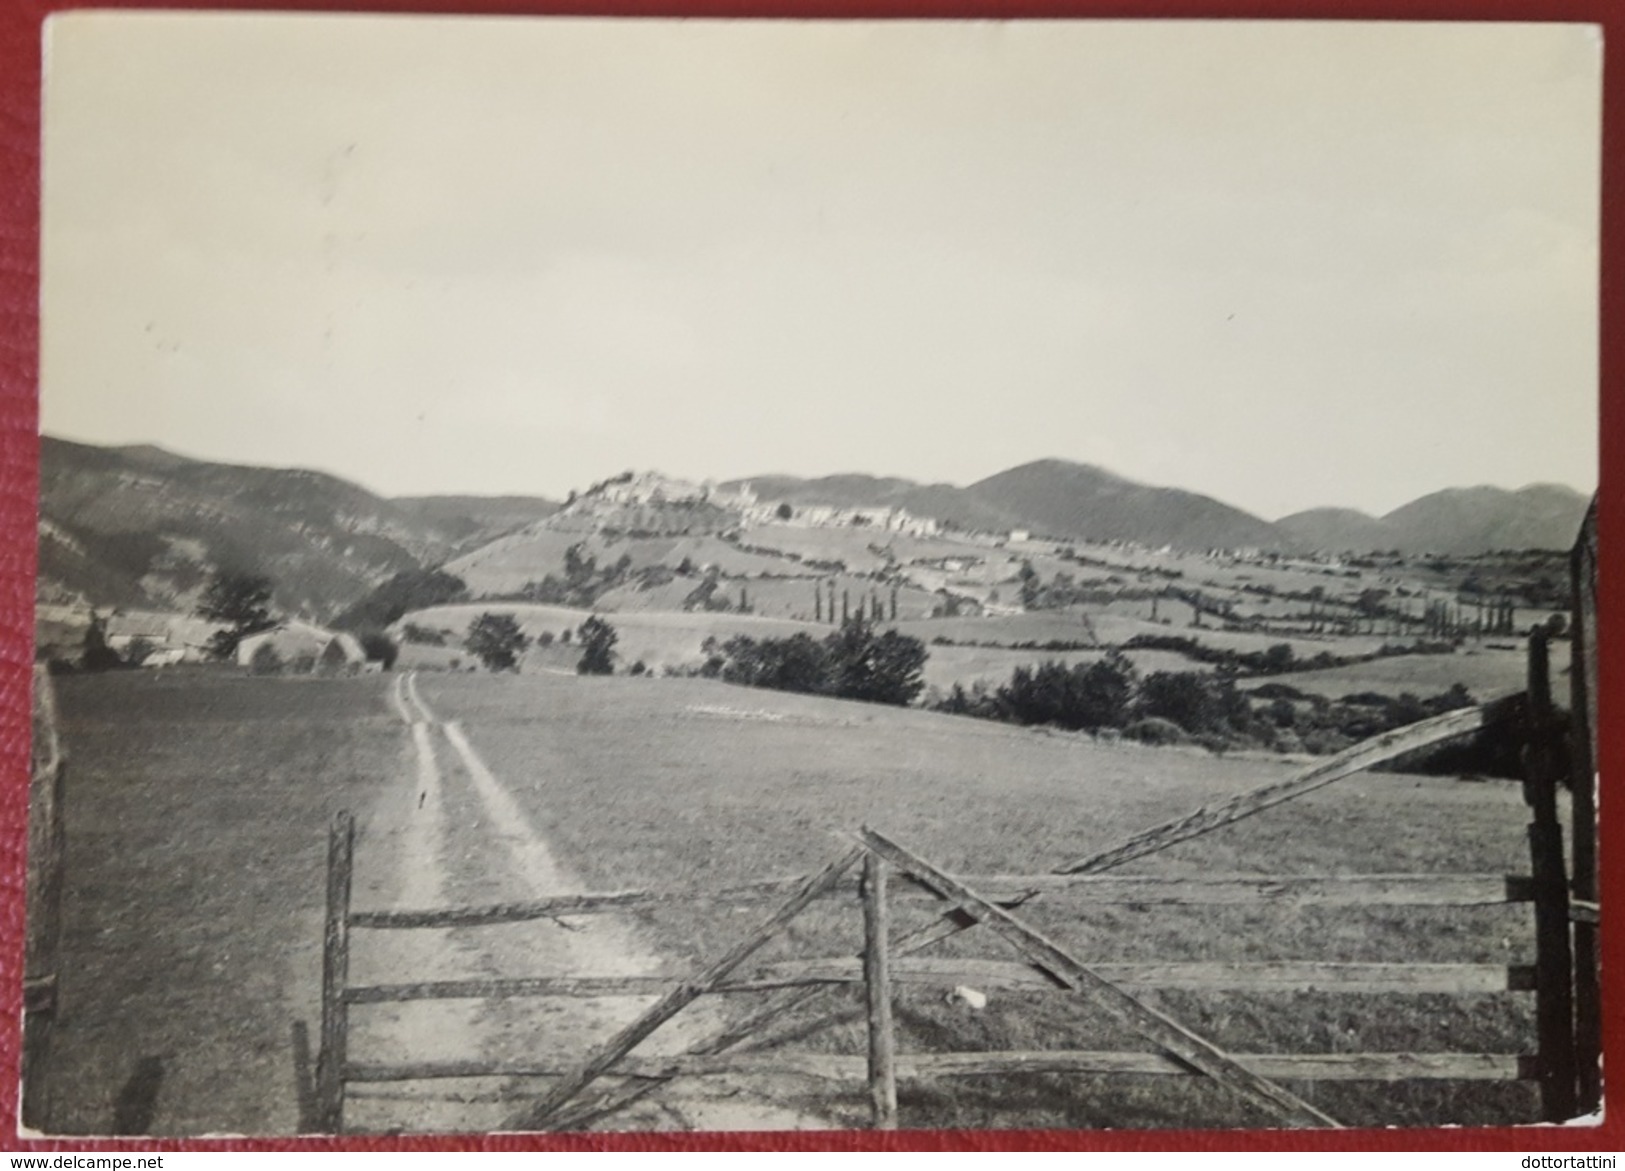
{"x": 169, "y": 638}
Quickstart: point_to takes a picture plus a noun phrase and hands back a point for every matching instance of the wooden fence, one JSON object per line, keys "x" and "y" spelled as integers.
{"x": 991, "y": 900}
{"x": 1584, "y": 909}
{"x": 43, "y": 931}
{"x": 879, "y": 871}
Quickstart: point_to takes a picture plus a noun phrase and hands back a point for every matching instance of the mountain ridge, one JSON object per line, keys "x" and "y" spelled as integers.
{"x": 138, "y": 525}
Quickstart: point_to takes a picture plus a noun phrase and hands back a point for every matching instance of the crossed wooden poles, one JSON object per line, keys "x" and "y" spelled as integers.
{"x": 970, "y": 908}
{"x": 1178, "y": 1049}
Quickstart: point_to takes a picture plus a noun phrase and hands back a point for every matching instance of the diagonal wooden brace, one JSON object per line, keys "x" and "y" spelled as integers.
{"x": 1359, "y": 758}
{"x": 606, "y": 1055}
{"x": 1160, "y": 1029}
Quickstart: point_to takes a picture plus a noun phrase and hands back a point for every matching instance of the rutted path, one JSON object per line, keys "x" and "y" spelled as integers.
{"x": 458, "y": 836}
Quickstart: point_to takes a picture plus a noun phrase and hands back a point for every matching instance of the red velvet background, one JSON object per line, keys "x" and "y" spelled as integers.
{"x": 20, "y": 35}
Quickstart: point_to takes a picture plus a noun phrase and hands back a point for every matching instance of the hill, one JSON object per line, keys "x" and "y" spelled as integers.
{"x": 142, "y": 527}
{"x": 1063, "y": 499}
{"x": 1455, "y": 520}
{"x": 1052, "y": 497}
{"x": 1470, "y": 520}
{"x": 1059, "y": 498}
{"x": 1335, "y": 530}
{"x": 473, "y": 516}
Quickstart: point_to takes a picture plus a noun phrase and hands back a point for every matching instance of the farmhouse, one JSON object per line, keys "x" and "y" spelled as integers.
{"x": 302, "y": 648}
{"x": 169, "y": 638}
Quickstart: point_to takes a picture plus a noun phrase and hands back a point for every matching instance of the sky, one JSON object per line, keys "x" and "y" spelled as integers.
{"x": 1283, "y": 264}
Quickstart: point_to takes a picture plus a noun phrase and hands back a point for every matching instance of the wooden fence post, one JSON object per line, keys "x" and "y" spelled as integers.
{"x": 1583, "y": 786}
{"x": 1554, "y": 969}
{"x": 335, "y": 975}
{"x": 43, "y": 909}
{"x": 877, "y": 985}
{"x": 1161, "y": 1030}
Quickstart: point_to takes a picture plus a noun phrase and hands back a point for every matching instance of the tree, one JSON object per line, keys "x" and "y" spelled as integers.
{"x": 597, "y": 639}
{"x": 413, "y": 589}
{"x": 1278, "y": 660}
{"x": 785, "y": 512}
{"x": 886, "y": 668}
{"x": 98, "y": 656}
{"x": 380, "y": 648}
{"x": 797, "y": 663}
{"x": 1029, "y": 585}
{"x": 1084, "y": 695}
{"x": 240, "y": 600}
{"x": 496, "y": 640}
{"x": 1182, "y": 697}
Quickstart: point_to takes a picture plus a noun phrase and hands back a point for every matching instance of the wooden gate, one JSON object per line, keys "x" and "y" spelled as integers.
{"x": 992, "y": 901}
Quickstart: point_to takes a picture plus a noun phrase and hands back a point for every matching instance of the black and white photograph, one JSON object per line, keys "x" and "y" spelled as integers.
{"x": 631, "y": 574}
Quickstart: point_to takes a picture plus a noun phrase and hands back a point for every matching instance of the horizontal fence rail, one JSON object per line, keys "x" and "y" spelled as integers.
{"x": 1305, "y": 976}
{"x": 1335, "y": 890}
{"x": 1497, "y": 1067}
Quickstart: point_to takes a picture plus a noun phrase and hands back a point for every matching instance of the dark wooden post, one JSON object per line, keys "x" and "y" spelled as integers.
{"x": 43, "y": 909}
{"x": 1554, "y": 969}
{"x": 877, "y": 985}
{"x": 335, "y": 976}
{"x": 1582, "y": 782}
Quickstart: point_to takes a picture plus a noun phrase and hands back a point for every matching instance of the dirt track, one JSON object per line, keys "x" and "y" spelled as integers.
{"x": 452, "y": 833}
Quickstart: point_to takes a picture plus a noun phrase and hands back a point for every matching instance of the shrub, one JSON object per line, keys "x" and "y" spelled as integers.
{"x": 853, "y": 663}
{"x": 138, "y": 650}
{"x": 1325, "y": 741}
{"x": 798, "y": 663}
{"x": 1083, "y": 696}
{"x": 422, "y": 635}
{"x": 1182, "y": 697}
{"x": 1155, "y": 730}
{"x": 265, "y": 660}
{"x": 1278, "y": 691}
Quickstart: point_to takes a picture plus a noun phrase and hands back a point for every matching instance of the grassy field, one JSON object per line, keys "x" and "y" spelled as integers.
{"x": 673, "y": 639}
{"x": 507, "y": 565}
{"x": 773, "y": 597}
{"x": 969, "y": 665}
{"x": 659, "y": 638}
{"x": 198, "y": 801}
{"x": 1038, "y": 626}
{"x": 1485, "y": 671}
{"x": 197, "y": 805}
{"x": 856, "y": 547}
{"x": 723, "y": 785}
